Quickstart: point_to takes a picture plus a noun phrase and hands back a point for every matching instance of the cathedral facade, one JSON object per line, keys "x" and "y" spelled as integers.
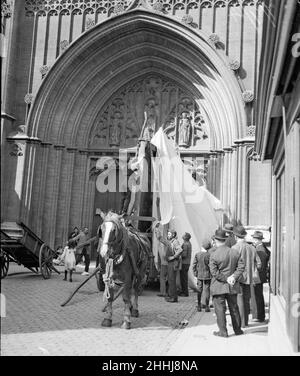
{"x": 80, "y": 78}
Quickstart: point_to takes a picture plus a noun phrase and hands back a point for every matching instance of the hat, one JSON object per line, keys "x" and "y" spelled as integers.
{"x": 220, "y": 235}
{"x": 187, "y": 235}
{"x": 206, "y": 245}
{"x": 239, "y": 231}
{"x": 228, "y": 227}
{"x": 258, "y": 235}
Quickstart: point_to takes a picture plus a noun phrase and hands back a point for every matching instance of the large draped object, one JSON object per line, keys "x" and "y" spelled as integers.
{"x": 183, "y": 204}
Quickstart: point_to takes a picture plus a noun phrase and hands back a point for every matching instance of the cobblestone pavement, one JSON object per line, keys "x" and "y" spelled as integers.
{"x": 36, "y": 324}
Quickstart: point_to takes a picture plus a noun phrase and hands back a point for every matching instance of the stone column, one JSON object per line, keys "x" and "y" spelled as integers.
{"x": 11, "y": 159}
{"x": 29, "y": 189}
{"x": 78, "y": 185}
{"x": 41, "y": 181}
{"x": 212, "y": 173}
{"x": 7, "y": 124}
{"x": 234, "y": 180}
{"x": 89, "y": 198}
{"x": 54, "y": 189}
{"x": 226, "y": 183}
{"x": 219, "y": 174}
{"x": 243, "y": 178}
{"x": 70, "y": 160}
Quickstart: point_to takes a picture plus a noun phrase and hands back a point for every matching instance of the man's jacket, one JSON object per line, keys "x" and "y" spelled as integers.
{"x": 225, "y": 262}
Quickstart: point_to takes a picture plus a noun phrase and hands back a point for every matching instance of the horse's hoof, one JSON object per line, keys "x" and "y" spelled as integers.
{"x": 126, "y": 325}
{"x": 134, "y": 313}
{"x": 107, "y": 323}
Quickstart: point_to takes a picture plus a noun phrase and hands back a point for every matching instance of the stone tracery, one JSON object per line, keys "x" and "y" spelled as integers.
{"x": 163, "y": 103}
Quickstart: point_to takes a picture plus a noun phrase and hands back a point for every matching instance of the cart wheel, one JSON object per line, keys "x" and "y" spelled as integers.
{"x": 45, "y": 261}
{"x": 100, "y": 283}
{"x": 4, "y": 263}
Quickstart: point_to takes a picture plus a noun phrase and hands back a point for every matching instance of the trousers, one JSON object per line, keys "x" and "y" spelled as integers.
{"x": 184, "y": 280}
{"x": 219, "y": 302}
{"x": 244, "y": 303}
{"x": 163, "y": 279}
{"x": 260, "y": 302}
{"x": 204, "y": 291}
{"x": 86, "y": 259}
{"x": 172, "y": 281}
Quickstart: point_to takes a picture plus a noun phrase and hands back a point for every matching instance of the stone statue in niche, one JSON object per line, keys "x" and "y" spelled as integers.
{"x": 115, "y": 130}
{"x": 184, "y": 130}
{"x": 150, "y": 120}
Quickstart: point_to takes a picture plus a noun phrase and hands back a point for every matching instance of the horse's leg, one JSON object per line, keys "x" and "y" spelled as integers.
{"x": 137, "y": 288}
{"x": 127, "y": 309}
{"x": 107, "y": 321}
{"x": 135, "y": 308}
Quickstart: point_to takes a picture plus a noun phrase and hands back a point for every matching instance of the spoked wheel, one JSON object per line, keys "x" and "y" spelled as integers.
{"x": 4, "y": 263}
{"x": 45, "y": 261}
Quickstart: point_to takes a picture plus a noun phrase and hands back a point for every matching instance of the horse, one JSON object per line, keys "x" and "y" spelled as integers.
{"x": 126, "y": 253}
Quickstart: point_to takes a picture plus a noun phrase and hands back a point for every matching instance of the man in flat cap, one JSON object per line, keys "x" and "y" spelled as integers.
{"x": 250, "y": 276}
{"x": 226, "y": 267}
{"x": 264, "y": 255}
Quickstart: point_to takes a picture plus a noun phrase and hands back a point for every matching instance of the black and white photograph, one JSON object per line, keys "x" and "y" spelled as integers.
{"x": 150, "y": 181}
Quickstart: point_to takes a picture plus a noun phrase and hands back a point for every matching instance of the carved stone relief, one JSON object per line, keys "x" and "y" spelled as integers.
{"x": 141, "y": 107}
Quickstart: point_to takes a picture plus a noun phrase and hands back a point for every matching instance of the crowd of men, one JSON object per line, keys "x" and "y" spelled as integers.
{"x": 230, "y": 269}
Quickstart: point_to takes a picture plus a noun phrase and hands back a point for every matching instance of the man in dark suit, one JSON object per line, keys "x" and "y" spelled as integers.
{"x": 226, "y": 267}
{"x": 202, "y": 273}
{"x": 250, "y": 275}
{"x": 186, "y": 262}
{"x": 264, "y": 255}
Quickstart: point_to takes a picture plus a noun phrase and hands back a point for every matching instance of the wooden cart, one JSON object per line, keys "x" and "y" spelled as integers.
{"x": 27, "y": 250}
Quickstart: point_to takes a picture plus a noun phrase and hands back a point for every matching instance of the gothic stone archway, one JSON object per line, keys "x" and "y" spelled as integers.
{"x": 93, "y": 84}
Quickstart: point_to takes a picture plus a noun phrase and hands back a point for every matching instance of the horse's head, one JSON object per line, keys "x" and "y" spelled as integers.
{"x": 110, "y": 231}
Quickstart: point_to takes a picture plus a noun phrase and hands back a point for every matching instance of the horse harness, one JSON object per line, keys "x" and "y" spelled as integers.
{"x": 116, "y": 256}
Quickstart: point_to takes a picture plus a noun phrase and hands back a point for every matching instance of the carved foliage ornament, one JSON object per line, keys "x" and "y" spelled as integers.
{"x": 28, "y": 98}
{"x": 6, "y": 9}
{"x": 251, "y": 131}
{"x": 234, "y": 64}
{"x": 187, "y": 19}
{"x": 119, "y": 8}
{"x": 253, "y": 156}
{"x": 90, "y": 23}
{"x": 17, "y": 150}
{"x": 158, "y": 6}
{"x": 248, "y": 96}
{"x": 44, "y": 70}
{"x": 64, "y": 44}
{"x": 214, "y": 38}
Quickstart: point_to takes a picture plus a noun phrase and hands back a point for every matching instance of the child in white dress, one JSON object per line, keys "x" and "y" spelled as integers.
{"x": 68, "y": 257}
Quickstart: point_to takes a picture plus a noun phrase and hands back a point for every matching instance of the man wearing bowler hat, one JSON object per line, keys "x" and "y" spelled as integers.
{"x": 264, "y": 255}
{"x": 226, "y": 267}
{"x": 230, "y": 241}
{"x": 250, "y": 276}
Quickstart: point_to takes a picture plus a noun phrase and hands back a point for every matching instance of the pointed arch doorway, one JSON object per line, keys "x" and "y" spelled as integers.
{"x": 92, "y": 102}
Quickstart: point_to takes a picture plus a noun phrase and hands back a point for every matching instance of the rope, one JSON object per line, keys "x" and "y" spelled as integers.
{"x": 107, "y": 278}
